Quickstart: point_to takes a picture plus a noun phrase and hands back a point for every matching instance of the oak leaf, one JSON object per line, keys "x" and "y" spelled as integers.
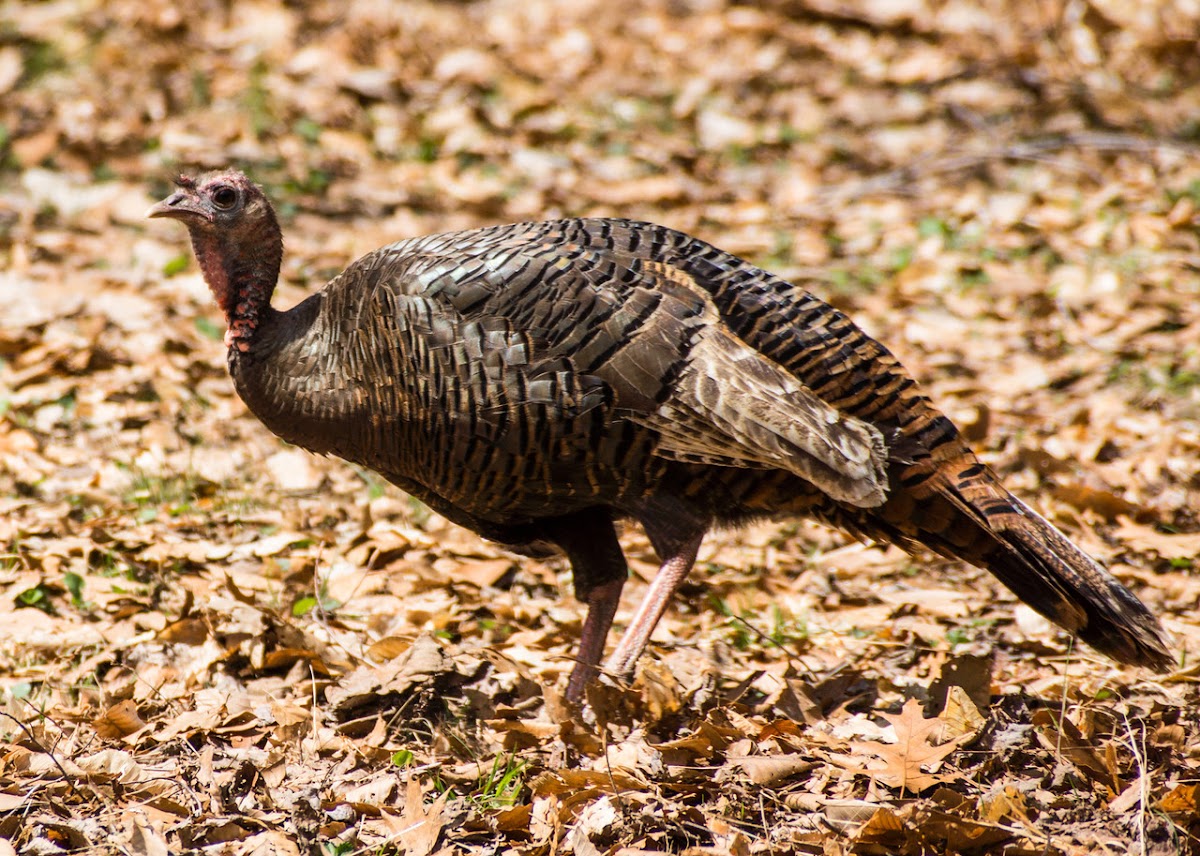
{"x": 420, "y": 826}
{"x": 910, "y": 763}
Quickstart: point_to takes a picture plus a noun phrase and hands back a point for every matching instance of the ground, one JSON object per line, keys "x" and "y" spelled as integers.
{"x": 214, "y": 643}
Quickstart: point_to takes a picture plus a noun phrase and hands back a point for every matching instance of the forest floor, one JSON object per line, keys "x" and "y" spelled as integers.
{"x": 211, "y": 642}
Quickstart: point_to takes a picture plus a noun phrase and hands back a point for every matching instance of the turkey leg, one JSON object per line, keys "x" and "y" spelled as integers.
{"x": 674, "y": 568}
{"x": 598, "y": 566}
{"x": 602, "y": 606}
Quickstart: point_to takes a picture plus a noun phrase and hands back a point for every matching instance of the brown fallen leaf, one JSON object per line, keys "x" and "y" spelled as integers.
{"x": 569, "y": 781}
{"x": 959, "y": 834}
{"x": 1064, "y": 738}
{"x": 388, "y": 648}
{"x": 883, "y": 829}
{"x": 1166, "y": 545}
{"x": 1133, "y": 794}
{"x": 484, "y": 572}
{"x": 144, "y": 839}
{"x": 423, "y": 665}
{"x": 1105, "y": 503}
{"x": 185, "y": 631}
{"x": 961, "y": 717}
{"x": 1181, "y": 799}
{"x": 515, "y": 819}
{"x": 418, "y": 827}
{"x": 969, "y": 672}
{"x": 767, "y": 769}
{"x": 1004, "y": 805}
{"x": 910, "y": 763}
{"x": 660, "y": 690}
{"x": 120, "y": 720}
{"x": 544, "y": 823}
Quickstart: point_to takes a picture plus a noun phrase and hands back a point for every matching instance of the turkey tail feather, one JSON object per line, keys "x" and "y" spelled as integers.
{"x": 1052, "y": 575}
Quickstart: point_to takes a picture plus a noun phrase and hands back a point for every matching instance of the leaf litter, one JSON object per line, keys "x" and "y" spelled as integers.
{"x": 212, "y": 642}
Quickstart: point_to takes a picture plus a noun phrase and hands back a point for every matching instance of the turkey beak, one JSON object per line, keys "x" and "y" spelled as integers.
{"x": 177, "y": 206}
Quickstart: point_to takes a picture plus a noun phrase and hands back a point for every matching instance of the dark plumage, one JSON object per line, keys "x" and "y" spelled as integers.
{"x": 535, "y": 382}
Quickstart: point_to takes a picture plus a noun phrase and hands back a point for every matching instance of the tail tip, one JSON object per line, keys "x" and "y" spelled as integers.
{"x": 1141, "y": 643}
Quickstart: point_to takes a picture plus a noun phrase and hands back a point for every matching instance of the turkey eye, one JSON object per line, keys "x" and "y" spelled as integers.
{"x": 224, "y": 197}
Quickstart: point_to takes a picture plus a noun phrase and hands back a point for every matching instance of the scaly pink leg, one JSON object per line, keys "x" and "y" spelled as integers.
{"x": 602, "y": 606}
{"x": 662, "y": 588}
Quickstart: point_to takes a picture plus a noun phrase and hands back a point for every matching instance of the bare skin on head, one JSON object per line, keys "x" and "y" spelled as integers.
{"x": 237, "y": 241}
{"x": 537, "y": 382}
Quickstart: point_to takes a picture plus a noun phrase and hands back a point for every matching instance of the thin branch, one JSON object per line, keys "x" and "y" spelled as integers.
{"x": 901, "y": 179}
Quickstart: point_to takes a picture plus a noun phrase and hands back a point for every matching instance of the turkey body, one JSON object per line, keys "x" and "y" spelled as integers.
{"x": 514, "y": 374}
{"x": 536, "y": 382}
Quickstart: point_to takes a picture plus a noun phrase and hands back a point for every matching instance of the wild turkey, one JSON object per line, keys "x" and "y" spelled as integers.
{"x": 536, "y": 382}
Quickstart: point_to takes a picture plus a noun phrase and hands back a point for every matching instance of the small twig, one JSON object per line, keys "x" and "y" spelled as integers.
{"x": 763, "y": 637}
{"x": 762, "y": 813}
{"x": 1139, "y": 757}
{"x": 377, "y": 846}
{"x": 312, "y": 679}
{"x": 1062, "y": 717}
{"x": 1062, "y": 709}
{"x": 608, "y": 769}
{"x": 37, "y": 744}
{"x": 1039, "y": 149}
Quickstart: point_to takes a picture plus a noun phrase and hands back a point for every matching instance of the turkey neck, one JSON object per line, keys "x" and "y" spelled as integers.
{"x": 289, "y": 380}
{"x": 269, "y": 358}
{"x": 241, "y": 269}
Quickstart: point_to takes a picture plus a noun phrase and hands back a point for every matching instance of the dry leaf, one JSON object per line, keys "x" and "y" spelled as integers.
{"x": 388, "y": 648}
{"x": 846, "y": 813}
{"x": 969, "y": 672}
{"x": 960, "y": 834}
{"x": 1005, "y": 804}
{"x": 293, "y": 470}
{"x": 769, "y": 769}
{"x": 120, "y": 720}
{"x": 417, "y": 829}
{"x": 147, "y": 841}
{"x": 910, "y": 763}
{"x": 567, "y": 781}
{"x": 1104, "y": 502}
{"x": 1167, "y": 545}
{"x": 484, "y": 572}
{"x": 1063, "y": 737}
{"x": 960, "y": 715}
{"x": 884, "y": 829}
{"x": 1133, "y": 794}
{"x": 1181, "y": 799}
